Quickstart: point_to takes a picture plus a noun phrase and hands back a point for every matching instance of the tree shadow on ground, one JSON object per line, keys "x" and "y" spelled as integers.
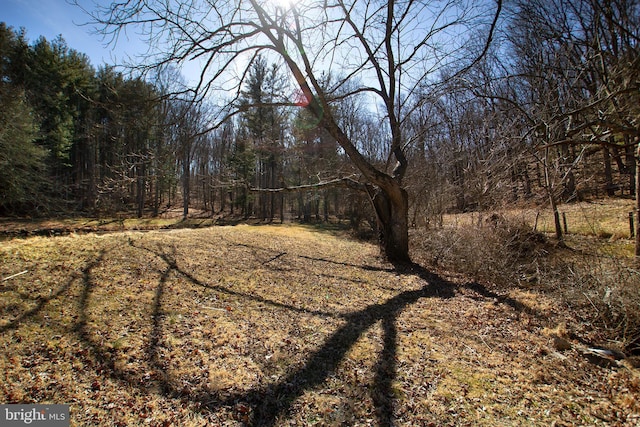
{"x": 40, "y": 301}
{"x": 272, "y": 403}
{"x": 276, "y": 400}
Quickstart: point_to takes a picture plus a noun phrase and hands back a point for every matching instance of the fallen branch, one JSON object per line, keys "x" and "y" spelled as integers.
{"x": 14, "y": 275}
{"x": 339, "y": 182}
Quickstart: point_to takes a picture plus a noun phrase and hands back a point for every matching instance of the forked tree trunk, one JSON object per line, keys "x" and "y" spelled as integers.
{"x": 392, "y": 211}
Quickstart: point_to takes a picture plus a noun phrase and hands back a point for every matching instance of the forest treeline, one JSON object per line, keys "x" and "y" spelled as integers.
{"x": 548, "y": 115}
{"x": 77, "y": 139}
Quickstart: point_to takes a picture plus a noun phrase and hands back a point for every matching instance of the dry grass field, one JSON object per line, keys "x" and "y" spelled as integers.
{"x": 285, "y": 325}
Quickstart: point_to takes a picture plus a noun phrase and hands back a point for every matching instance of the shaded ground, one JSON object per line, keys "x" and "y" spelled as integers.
{"x": 282, "y": 326}
{"x": 25, "y": 227}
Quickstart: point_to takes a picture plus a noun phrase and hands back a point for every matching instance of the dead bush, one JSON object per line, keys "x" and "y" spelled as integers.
{"x": 600, "y": 290}
{"x": 603, "y": 290}
{"x": 496, "y": 253}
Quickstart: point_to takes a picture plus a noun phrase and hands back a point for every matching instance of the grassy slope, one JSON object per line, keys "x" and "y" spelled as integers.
{"x": 279, "y": 326}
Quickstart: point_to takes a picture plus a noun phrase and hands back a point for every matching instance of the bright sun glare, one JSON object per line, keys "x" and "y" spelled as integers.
{"x": 285, "y": 4}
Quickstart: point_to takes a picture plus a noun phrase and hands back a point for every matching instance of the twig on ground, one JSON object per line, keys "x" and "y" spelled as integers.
{"x": 14, "y": 275}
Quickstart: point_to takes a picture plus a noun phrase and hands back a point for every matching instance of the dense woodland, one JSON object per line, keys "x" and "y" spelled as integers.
{"x": 547, "y": 115}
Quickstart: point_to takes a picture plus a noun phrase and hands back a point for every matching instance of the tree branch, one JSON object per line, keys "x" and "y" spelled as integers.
{"x": 338, "y": 182}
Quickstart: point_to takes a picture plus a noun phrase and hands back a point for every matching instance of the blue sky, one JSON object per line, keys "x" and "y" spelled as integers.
{"x": 50, "y": 18}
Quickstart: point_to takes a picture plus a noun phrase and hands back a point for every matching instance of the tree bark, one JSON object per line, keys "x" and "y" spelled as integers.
{"x": 632, "y": 166}
{"x": 392, "y": 212}
{"x": 637, "y": 250}
{"x": 186, "y": 184}
{"x": 140, "y": 188}
{"x": 608, "y": 175}
{"x": 552, "y": 198}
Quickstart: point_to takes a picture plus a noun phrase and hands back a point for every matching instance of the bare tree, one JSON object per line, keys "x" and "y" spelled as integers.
{"x": 383, "y": 49}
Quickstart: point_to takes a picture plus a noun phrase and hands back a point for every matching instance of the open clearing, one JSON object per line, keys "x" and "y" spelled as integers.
{"x": 282, "y": 325}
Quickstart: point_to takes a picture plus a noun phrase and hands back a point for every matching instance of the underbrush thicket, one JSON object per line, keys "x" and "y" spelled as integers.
{"x": 584, "y": 273}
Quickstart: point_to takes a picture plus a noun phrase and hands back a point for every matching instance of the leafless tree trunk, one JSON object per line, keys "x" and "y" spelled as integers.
{"x": 637, "y": 216}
